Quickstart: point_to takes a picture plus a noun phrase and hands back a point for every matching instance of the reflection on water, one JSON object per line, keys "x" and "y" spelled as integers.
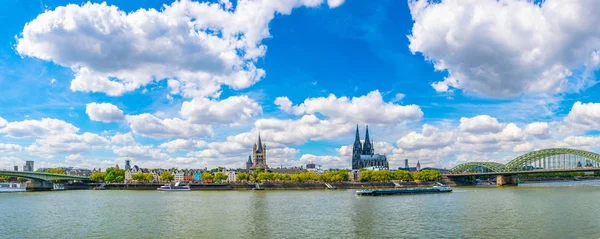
{"x": 541, "y": 210}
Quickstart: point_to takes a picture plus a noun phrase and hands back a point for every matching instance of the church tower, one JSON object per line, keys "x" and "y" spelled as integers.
{"x": 356, "y": 151}
{"x": 259, "y": 153}
{"x": 368, "y": 147}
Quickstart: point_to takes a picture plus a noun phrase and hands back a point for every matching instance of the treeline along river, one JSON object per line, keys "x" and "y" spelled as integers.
{"x": 544, "y": 210}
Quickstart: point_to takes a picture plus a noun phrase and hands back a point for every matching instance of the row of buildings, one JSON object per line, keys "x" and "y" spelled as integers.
{"x": 180, "y": 175}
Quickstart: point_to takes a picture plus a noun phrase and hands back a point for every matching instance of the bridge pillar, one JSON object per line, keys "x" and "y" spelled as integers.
{"x": 507, "y": 180}
{"x": 35, "y": 185}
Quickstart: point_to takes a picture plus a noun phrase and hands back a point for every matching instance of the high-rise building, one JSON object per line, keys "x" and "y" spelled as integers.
{"x": 406, "y": 164}
{"x": 16, "y": 168}
{"x": 363, "y": 155}
{"x": 28, "y": 166}
{"x": 259, "y": 153}
{"x": 127, "y": 164}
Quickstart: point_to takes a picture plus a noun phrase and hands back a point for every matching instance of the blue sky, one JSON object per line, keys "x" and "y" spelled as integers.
{"x": 190, "y": 84}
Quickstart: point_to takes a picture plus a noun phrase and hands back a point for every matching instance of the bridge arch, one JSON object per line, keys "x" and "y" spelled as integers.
{"x": 469, "y": 166}
{"x": 43, "y": 176}
{"x": 532, "y": 157}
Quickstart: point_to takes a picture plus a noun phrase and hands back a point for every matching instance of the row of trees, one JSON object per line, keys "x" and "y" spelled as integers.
{"x": 329, "y": 176}
{"x": 385, "y": 175}
{"x": 112, "y": 175}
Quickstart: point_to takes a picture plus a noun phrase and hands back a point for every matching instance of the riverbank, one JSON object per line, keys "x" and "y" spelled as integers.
{"x": 277, "y": 185}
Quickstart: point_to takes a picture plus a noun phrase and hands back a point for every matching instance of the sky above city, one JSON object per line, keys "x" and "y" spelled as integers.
{"x": 191, "y": 84}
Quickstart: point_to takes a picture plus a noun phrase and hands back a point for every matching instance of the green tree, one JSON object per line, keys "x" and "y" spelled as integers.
{"x": 403, "y": 175}
{"x": 138, "y": 177}
{"x": 148, "y": 177}
{"x": 220, "y": 176}
{"x": 4, "y": 178}
{"x": 207, "y": 176}
{"x": 110, "y": 177}
{"x": 167, "y": 176}
{"x": 97, "y": 176}
{"x": 242, "y": 177}
{"x": 56, "y": 171}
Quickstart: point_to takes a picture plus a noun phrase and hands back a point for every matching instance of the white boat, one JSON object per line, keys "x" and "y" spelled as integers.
{"x": 12, "y": 187}
{"x": 176, "y": 187}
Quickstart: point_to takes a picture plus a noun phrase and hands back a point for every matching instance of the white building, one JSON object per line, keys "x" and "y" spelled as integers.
{"x": 231, "y": 175}
{"x": 178, "y": 175}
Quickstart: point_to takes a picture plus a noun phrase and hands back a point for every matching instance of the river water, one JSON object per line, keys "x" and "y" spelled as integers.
{"x": 544, "y": 210}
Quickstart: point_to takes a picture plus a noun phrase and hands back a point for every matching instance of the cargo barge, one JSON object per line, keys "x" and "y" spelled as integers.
{"x": 384, "y": 192}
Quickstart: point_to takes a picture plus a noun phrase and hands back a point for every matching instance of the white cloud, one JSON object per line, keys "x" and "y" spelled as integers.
{"x": 523, "y": 147}
{"x": 140, "y": 152}
{"x": 335, "y": 3}
{"x": 295, "y": 132}
{"x": 540, "y": 130}
{"x": 52, "y": 81}
{"x": 326, "y": 161}
{"x": 198, "y": 44}
{"x": 150, "y": 125}
{"x": 67, "y": 143}
{"x": 364, "y": 109}
{"x": 580, "y": 142}
{"x": 38, "y": 128}
{"x": 182, "y": 144}
{"x": 429, "y": 138}
{"x": 480, "y": 124}
{"x": 73, "y": 157}
{"x": 3, "y": 122}
{"x": 585, "y": 116}
{"x": 506, "y": 48}
{"x": 105, "y": 112}
{"x": 122, "y": 139}
{"x": 10, "y": 148}
{"x": 399, "y": 97}
{"x": 227, "y": 111}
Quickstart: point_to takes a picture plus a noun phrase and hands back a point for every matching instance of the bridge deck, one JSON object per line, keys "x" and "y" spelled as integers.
{"x": 566, "y": 170}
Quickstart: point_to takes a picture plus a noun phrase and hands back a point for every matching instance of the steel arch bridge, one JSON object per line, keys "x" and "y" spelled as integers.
{"x": 43, "y": 176}
{"x": 544, "y": 159}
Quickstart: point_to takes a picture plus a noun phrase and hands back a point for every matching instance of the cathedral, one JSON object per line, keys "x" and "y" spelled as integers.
{"x": 363, "y": 155}
{"x": 259, "y": 154}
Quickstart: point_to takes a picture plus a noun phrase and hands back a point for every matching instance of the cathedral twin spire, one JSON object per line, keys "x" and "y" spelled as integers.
{"x": 367, "y": 147}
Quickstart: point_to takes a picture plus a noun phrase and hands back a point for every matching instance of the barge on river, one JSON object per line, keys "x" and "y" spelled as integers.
{"x": 382, "y": 192}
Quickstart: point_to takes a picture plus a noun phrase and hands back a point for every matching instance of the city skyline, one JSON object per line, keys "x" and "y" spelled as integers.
{"x": 91, "y": 85}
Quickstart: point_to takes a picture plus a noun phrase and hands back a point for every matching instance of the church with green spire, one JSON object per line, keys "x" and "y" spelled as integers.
{"x": 363, "y": 154}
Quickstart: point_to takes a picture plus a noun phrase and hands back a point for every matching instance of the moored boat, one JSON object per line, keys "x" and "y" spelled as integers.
{"x": 381, "y": 192}
{"x": 13, "y": 187}
{"x": 176, "y": 187}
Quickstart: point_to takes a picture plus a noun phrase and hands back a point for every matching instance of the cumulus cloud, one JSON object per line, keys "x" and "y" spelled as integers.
{"x": 10, "y": 148}
{"x": 326, "y": 161}
{"x": 151, "y": 126}
{"x": 370, "y": 108}
{"x": 38, "y": 128}
{"x": 3, "y": 122}
{"x": 67, "y": 143}
{"x": 295, "y": 132}
{"x": 199, "y": 45}
{"x": 105, "y": 112}
{"x": 480, "y": 124}
{"x": 584, "y": 115}
{"x": 122, "y": 139}
{"x": 73, "y": 157}
{"x": 227, "y": 111}
{"x": 182, "y": 144}
{"x": 523, "y": 147}
{"x": 429, "y": 138}
{"x": 506, "y": 48}
{"x": 540, "y": 130}
{"x": 140, "y": 152}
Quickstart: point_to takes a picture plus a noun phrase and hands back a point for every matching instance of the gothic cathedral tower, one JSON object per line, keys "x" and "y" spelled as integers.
{"x": 259, "y": 153}
{"x": 356, "y": 151}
